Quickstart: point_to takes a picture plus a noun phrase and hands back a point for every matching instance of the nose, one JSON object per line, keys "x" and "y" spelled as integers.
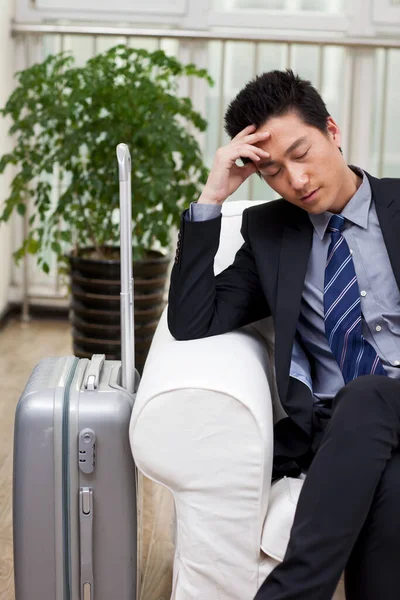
{"x": 298, "y": 178}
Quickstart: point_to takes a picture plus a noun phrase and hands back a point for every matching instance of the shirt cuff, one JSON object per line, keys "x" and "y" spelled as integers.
{"x": 204, "y": 212}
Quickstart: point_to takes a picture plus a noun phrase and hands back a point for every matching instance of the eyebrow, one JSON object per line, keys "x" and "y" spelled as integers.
{"x": 296, "y": 144}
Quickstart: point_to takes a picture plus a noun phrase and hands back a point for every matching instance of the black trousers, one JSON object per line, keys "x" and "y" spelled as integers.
{"x": 348, "y": 513}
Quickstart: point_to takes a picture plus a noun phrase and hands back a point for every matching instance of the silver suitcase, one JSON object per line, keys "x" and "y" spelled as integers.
{"x": 74, "y": 489}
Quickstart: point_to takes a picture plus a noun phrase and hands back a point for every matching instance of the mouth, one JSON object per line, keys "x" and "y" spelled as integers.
{"x": 310, "y": 196}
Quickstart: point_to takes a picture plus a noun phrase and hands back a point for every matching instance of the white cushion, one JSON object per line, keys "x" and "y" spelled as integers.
{"x": 283, "y": 498}
{"x": 280, "y": 515}
{"x": 231, "y": 239}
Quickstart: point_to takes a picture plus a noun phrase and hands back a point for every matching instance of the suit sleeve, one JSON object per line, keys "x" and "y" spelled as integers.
{"x": 201, "y": 304}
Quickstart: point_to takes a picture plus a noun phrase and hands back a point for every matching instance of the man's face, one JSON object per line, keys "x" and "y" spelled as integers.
{"x": 303, "y": 161}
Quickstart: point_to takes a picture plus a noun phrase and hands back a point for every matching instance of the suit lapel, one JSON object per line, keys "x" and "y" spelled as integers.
{"x": 293, "y": 260}
{"x": 386, "y": 195}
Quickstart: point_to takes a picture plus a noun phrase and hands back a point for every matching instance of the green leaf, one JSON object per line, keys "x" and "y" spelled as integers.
{"x": 18, "y": 254}
{"x": 55, "y": 246}
{"x": 32, "y": 246}
{"x": 65, "y": 236}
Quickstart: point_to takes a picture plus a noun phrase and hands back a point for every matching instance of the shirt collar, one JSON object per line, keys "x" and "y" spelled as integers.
{"x": 356, "y": 210}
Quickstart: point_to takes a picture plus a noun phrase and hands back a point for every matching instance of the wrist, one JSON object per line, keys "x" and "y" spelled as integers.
{"x": 207, "y": 198}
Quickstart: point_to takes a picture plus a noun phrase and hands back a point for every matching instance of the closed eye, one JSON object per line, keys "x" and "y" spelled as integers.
{"x": 296, "y": 158}
{"x": 302, "y": 156}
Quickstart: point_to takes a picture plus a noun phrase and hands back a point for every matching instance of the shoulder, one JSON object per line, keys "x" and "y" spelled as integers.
{"x": 384, "y": 186}
{"x": 272, "y": 208}
{"x": 386, "y": 180}
{"x": 274, "y": 213}
{"x": 386, "y": 183}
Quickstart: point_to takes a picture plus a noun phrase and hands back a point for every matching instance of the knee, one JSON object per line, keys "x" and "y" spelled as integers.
{"x": 362, "y": 384}
{"x": 360, "y": 392}
{"x": 366, "y": 403}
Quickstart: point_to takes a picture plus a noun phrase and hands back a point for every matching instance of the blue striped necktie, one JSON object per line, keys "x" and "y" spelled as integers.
{"x": 342, "y": 307}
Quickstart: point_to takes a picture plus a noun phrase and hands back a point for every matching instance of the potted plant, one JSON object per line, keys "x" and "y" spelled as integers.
{"x": 69, "y": 120}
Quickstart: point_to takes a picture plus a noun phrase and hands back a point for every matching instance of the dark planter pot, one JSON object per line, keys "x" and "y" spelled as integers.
{"x": 95, "y": 305}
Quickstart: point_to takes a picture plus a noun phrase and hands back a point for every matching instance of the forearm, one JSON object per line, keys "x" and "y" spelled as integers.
{"x": 191, "y": 297}
{"x": 202, "y": 304}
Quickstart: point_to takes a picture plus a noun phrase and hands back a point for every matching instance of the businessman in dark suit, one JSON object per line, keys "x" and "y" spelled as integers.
{"x": 324, "y": 262}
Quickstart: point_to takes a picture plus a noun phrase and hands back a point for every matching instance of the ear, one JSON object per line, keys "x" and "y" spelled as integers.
{"x": 334, "y": 131}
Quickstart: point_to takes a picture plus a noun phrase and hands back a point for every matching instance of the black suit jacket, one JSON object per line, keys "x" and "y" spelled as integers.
{"x": 265, "y": 279}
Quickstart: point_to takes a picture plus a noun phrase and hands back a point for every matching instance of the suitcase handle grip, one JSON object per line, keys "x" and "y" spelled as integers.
{"x": 93, "y": 373}
{"x": 86, "y": 542}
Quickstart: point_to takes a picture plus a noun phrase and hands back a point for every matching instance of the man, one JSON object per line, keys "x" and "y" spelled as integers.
{"x": 324, "y": 261}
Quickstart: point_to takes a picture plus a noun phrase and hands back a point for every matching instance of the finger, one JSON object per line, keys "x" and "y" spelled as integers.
{"x": 248, "y": 170}
{"x": 259, "y": 151}
{"x": 246, "y": 152}
{"x": 253, "y": 156}
{"x": 232, "y": 153}
{"x": 258, "y": 136}
{"x": 244, "y": 132}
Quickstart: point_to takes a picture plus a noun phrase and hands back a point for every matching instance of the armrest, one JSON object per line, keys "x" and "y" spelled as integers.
{"x": 235, "y": 364}
{"x": 202, "y": 426}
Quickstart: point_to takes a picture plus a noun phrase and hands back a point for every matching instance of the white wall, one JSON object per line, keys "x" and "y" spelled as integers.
{"x": 6, "y": 86}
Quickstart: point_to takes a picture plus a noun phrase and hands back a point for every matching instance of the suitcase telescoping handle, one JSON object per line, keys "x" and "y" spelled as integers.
{"x": 127, "y": 312}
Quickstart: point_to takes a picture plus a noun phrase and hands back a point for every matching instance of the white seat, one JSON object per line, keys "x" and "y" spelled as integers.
{"x": 202, "y": 426}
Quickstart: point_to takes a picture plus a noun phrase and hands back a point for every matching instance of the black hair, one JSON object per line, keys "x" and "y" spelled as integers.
{"x": 274, "y": 94}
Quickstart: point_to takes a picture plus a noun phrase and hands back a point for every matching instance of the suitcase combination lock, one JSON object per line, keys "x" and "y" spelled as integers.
{"x": 87, "y": 450}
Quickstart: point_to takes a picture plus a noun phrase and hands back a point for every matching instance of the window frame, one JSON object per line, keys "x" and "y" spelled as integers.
{"x": 151, "y": 6}
{"x": 36, "y": 11}
{"x": 180, "y": 13}
{"x": 279, "y": 20}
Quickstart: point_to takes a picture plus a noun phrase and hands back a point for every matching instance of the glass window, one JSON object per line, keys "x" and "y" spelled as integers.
{"x": 325, "y": 6}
